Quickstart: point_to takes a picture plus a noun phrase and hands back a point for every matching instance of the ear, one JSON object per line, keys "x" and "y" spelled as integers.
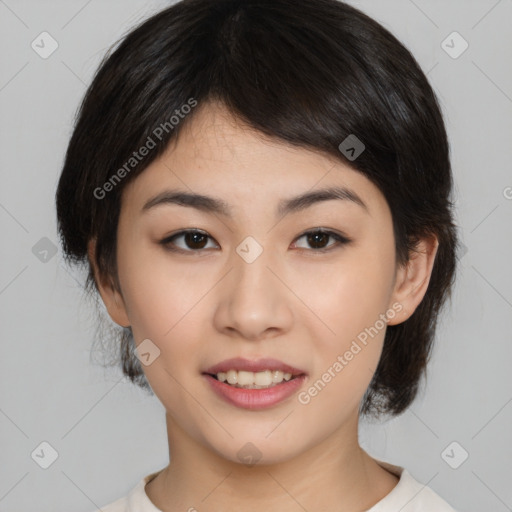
{"x": 412, "y": 280}
{"x": 110, "y": 295}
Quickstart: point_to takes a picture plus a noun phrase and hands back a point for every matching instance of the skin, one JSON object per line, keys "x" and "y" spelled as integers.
{"x": 292, "y": 303}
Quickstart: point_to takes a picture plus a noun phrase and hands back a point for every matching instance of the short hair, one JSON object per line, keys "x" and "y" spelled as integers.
{"x": 306, "y": 72}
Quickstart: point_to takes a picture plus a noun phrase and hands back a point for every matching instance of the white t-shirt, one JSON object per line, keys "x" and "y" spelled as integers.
{"x": 407, "y": 496}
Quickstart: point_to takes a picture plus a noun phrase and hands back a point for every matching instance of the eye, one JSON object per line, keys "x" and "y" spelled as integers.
{"x": 194, "y": 239}
{"x": 318, "y": 237}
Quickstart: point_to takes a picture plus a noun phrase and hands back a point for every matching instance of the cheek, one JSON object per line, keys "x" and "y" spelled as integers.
{"x": 351, "y": 299}
{"x": 350, "y": 295}
{"x": 345, "y": 362}
{"x": 157, "y": 294}
{"x": 164, "y": 305}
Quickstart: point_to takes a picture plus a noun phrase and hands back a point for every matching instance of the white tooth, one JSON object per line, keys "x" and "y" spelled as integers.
{"x": 253, "y": 380}
{"x": 277, "y": 376}
{"x": 263, "y": 378}
{"x": 232, "y": 376}
{"x": 245, "y": 378}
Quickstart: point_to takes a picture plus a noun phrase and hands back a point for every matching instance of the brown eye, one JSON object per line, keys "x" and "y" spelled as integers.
{"x": 318, "y": 239}
{"x": 194, "y": 241}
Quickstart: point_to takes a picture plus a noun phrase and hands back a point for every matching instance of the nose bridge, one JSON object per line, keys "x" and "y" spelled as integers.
{"x": 252, "y": 279}
{"x": 251, "y": 267}
{"x": 254, "y": 300}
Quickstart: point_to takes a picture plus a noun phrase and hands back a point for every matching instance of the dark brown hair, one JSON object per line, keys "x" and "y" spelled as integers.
{"x": 307, "y": 72}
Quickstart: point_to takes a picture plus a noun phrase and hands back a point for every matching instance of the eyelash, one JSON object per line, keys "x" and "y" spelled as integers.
{"x": 340, "y": 239}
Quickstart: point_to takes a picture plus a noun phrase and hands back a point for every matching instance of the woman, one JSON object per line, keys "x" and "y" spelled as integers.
{"x": 261, "y": 190}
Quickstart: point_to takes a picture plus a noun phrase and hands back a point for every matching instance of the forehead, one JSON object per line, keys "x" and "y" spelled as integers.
{"x": 219, "y": 155}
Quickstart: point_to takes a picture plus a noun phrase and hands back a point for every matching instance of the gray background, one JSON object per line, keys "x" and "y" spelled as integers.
{"x": 107, "y": 433}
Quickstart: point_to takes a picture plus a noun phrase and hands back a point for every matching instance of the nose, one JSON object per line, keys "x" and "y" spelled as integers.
{"x": 254, "y": 302}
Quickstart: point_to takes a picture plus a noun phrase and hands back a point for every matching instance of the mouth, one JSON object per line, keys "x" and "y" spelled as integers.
{"x": 253, "y": 374}
{"x": 253, "y": 380}
{"x": 254, "y": 384}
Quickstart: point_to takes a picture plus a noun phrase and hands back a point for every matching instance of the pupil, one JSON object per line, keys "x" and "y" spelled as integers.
{"x": 313, "y": 238}
{"x": 192, "y": 239}
{"x": 196, "y": 240}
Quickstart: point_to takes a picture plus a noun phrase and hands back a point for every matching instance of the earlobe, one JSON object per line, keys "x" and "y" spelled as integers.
{"x": 412, "y": 280}
{"x": 109, "y": 293}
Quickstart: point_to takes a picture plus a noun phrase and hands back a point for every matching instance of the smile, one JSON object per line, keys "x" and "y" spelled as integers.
{"x": 253, "y": 380}
{"x": 254, "y": 384}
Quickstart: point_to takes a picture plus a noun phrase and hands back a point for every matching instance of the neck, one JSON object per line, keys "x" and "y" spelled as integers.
{"x": 334, "y": 475}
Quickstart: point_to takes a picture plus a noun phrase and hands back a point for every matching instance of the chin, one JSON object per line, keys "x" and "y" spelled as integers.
{"x": 256, "y": 450}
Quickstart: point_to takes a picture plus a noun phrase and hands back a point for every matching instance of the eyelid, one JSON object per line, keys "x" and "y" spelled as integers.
{"x": 167, "y": 241}
{"x": 340, "y": 238}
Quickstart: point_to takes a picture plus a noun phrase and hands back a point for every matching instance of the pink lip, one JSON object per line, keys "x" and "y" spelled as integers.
{"x": 255, "y": 399}
{"x": 239, "y": 363}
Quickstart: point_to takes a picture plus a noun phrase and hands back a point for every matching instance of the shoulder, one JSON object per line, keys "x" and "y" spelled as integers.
{"x": 422, "y": 498}
{"x": 120, "y": 505}
{"x": 136, "y": 500}
{"x": 409, "y": 495}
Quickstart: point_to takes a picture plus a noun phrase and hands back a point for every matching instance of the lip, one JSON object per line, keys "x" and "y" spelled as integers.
{"x": 259, "y": 365}
{"x": 255, "y": 399}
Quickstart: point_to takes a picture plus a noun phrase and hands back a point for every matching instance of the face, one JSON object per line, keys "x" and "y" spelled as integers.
{"x": 305, "y": 283}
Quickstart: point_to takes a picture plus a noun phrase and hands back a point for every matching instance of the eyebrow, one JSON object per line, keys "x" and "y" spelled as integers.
{"x": 215, "y": 205}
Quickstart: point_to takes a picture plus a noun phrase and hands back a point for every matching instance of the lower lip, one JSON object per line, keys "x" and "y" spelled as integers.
{"x": 255, "y": 399}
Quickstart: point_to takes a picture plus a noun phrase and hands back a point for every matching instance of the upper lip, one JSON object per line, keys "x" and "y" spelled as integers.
{"x": 259, "y": 365}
